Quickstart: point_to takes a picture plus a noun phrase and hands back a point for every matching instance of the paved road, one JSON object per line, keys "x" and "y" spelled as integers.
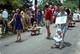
{"x": 40, "y": 45}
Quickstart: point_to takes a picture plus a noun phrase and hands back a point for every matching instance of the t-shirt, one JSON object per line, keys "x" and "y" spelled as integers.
{"x": 63, "y": 27}
{"x": 5, "y": 14}
{"x": 48, "y": 14}
{"x": 62, "y": 14}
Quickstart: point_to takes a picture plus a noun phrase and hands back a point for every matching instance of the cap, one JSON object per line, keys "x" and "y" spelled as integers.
{"x": 58, "y": 30}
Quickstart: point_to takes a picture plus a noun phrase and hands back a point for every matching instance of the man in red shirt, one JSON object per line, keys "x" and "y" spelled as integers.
{"x": 48, "y": 18}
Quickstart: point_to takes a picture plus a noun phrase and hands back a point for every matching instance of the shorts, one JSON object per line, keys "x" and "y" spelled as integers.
{"x": 63, "y": 27}
{"x": 47, "y": 23}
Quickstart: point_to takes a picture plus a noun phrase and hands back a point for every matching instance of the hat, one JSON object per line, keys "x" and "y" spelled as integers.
{"x": 58, "y": 30}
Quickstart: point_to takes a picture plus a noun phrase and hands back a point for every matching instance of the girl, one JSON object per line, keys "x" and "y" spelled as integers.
{"x": 18, "y": 26}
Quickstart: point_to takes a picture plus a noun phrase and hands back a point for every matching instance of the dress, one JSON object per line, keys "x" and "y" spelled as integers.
{"x": 18, "y": 25}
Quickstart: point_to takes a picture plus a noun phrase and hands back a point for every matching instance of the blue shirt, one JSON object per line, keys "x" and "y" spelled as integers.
{"x": 63, "y": 27}
{"x": 5, "y": 14}
{"x": 62, "y": 14}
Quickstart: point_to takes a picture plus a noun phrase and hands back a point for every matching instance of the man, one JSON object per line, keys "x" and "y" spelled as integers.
{"x": 5, "y": 19}
{"x": 48, "y": 17}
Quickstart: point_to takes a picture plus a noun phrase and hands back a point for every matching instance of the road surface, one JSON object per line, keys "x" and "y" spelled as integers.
{"x": 40, "y": 45}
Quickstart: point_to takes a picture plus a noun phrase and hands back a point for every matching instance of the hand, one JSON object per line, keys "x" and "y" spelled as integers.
{"x": 9, "y": 24}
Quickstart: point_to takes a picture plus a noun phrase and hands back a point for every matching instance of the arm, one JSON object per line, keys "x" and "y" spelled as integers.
{"x": 11, "y": 20}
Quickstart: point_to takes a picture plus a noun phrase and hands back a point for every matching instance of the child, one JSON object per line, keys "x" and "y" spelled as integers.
{"x": 35, "y": 29}
{"x": 58, "y": 38}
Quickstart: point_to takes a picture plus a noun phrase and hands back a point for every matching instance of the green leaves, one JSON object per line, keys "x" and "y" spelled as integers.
{"x": 71, "y": 4}
{"x": 13, "y": 3}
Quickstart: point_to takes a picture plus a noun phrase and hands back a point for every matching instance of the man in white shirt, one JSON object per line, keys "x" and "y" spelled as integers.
{"x": 5, "y": 19}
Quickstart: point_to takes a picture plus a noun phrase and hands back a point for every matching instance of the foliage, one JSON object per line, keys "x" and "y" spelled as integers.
{"x": 71, "y": 4}
{"x": 14, "y": 3}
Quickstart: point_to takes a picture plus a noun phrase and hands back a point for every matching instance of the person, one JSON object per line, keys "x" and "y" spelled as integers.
{"x": 13, "y": 23}
{"x": 55, "y": 12}
{"x": 57, "y": 38}
{"x": 48, "y": 17}
{"x": 18, "y": 26}
{"x": 33, "y": 17}
{"x": 29, "y": 15}
{"x": 23, "y": 20}
{"x": 69, "y": 16}
{"x": 39, "y": 16}
{"x": 35, "y": 29}
{"x": 5, "y": 20}
{"x": 64, "y": 26}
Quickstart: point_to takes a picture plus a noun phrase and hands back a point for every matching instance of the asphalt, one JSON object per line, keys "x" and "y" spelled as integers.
{"x": 40, "y": 45}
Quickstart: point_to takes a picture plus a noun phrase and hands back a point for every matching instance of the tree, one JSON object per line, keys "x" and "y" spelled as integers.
{"x": 27, "y": 3}
{"x": 71, "y": 4}
{"x": 14, "y": 3}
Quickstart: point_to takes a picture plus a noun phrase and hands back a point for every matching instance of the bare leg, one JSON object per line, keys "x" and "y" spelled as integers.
{"x": 48, "y": 31}
{"x": 18, "y": 35}
{"x": 61, "y": 43}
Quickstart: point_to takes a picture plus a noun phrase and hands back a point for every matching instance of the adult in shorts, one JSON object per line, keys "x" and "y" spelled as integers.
{"x": 48, "y": 17}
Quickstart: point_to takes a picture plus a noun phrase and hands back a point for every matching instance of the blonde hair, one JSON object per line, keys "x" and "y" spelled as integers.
{"x": 61, "y": 7}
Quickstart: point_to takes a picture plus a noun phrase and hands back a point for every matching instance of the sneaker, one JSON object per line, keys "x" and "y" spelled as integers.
{"x": 48, "y": 37}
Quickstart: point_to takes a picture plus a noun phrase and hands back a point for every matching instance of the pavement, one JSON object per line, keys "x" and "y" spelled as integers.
{"x": 40, "y": 45}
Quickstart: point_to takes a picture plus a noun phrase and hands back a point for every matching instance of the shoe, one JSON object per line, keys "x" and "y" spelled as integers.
{"x": 48, "y": 37}
{"x": 17, "y": 41}
{"x": 49, "y": 34}
{"x": 54, "y": 47}
{"x": 60, "y": 47}
{"x": 20, "y": 40}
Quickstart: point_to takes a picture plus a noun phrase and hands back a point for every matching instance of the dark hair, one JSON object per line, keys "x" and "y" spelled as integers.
{"x": 46, "y": 6}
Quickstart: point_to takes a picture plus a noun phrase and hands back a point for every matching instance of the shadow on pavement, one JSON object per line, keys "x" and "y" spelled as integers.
{"x": 71, "y": 26}
{"x": 67, "y": 44}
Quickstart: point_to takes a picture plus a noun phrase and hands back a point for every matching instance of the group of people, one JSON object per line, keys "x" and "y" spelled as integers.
{"x": 20, "y": 20}
{"x": 51, "y": 14}
{"x": 25, "y": 19}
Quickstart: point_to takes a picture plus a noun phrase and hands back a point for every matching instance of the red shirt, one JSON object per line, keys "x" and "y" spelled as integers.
{"x": 48, "y": 14}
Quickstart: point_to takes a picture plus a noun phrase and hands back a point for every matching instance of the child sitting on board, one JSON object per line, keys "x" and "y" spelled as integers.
{"x": 35, "y": 29}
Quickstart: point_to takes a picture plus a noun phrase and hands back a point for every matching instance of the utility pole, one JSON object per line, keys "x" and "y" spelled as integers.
{"x": 35, "y": 9}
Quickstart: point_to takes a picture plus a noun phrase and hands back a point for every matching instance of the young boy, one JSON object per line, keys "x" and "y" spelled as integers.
{"x": 58, "y": 39}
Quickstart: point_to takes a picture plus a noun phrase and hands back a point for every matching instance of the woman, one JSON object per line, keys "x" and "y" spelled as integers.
{"x": 62, "y": 27}
{"x": 33, "y": 17}
{"x": 23, "y": 20}
{"x": 39, "y": 16}
{"x": 18, "y": 26}
{"x": 55, "y": 12}
{"x": 29, "y": 15}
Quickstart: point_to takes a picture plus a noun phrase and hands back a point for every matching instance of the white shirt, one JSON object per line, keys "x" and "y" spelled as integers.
{"x": 5, "y": 14}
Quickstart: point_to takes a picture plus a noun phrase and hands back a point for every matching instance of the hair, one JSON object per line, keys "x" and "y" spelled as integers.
{"x": 46, "y": 6}
{"x": 18, "y": 10}
{"x": 61, "y": 7}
